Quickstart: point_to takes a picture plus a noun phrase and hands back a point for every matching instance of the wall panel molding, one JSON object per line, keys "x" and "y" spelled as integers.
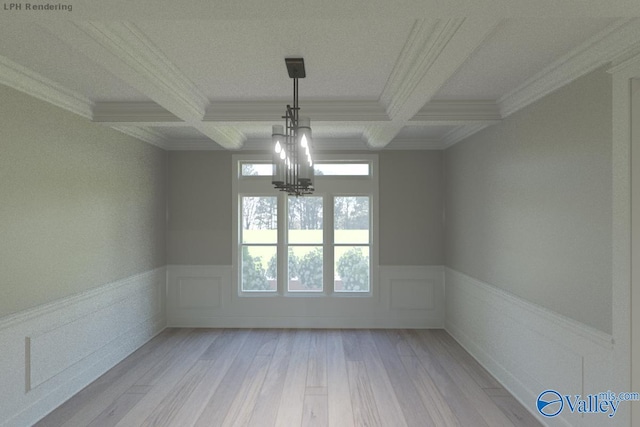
{"x": 403, "y": 297}
{"x": 527, "y": 348}
{"x": 51, "y": 352}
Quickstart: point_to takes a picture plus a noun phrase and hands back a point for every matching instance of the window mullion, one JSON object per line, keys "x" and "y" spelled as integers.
{"x": 328, "y": 244}
{"x": 282, "y": 243}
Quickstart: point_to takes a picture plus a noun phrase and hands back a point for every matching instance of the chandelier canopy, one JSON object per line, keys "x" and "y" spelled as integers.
{"x": 292, "y": 162}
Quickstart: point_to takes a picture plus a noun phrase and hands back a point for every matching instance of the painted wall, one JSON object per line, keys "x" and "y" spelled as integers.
{"x": 528, "y": 203}
{"x": 199, "y": 225}
{"x": 411, "y": 231}
{"x": 82, "y": 205}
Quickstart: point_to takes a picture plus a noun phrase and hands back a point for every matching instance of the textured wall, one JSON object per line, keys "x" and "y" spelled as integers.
{"x": 81, "y": 205}
{"x": 529, "y": 202}
{"x": 199, "y": 227}
{"x": 411, "y": 229}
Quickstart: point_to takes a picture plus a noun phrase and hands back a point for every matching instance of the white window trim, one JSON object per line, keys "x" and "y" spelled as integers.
{"x": 349, "y": 185}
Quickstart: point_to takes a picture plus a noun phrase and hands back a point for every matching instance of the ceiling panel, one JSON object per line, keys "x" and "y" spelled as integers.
{"x": 416, "y": 132}
{"x": 33, "y": 47}
{"x": 518, "y": 49}
{"x": 242, "y": 60}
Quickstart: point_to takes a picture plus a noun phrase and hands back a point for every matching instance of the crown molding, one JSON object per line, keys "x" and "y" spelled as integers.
{"x": 124, "y": 112}
{"x": 615, "y": 41}
{"x": 31, "y": 83}
{"x": 415, "y": 144}
{"x": 144, "y": 134}
{"x": 239, "y": 111}
{"x": 463, "y": 111}
{"x": 193, "y": 145}
{"x": 319, "y": 144}
{"x": 458, "y": 134}
{"x": 226, "y": 136}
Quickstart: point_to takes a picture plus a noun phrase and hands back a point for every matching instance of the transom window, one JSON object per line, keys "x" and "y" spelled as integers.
{"x": 319, "y": 244}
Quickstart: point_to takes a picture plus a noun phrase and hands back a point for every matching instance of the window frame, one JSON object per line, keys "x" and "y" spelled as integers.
{"x": 327, "y": 186}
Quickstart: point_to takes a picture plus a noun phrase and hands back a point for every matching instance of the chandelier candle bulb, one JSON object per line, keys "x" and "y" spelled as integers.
{"x": 277, "y": 136}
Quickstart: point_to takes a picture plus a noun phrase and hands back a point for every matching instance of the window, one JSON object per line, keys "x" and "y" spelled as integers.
{"x": 351, "y": 241}
{"x": 323, "y": 244}
{"x": 256, "y": 169}
{"x": 259, "y": 237}
{"x": 305, "y": 259}
{"x": 342, "y": 169}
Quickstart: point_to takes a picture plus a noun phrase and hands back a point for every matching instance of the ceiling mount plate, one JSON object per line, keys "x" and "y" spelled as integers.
{"x": 295, "y": 67}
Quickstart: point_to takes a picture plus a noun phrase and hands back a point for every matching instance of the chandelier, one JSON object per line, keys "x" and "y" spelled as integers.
{"x": 292, "y": 162}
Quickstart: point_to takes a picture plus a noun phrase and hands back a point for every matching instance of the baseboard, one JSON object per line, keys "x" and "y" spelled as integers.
{"x": 527, "y": 348}
{"x": 53, "y": 351}
{"x": 402, "y": 297}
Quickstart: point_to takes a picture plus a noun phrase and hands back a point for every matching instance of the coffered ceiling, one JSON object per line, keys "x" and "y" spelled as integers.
{"x": 395, "y": 81}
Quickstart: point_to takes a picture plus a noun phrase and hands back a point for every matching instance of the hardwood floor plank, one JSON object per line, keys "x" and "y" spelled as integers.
{"x": 483, "y": 378}
{"x": 314, "y": 412}
{"x": 292, "y": 399}
{"x": 218, "y": 367}
{"x": 194, "y": 339}
{"x": 265, "y": 410}
{"x": 415, "y": 413}
{"x": 216, "y": 409}
{"x": 220, "y": 345}
{"x": 168, "y": 376}
{"x": 385, "y": 397}
{"x": 365, "y": 410}
{"x": 266, "y": 377}
{"x": 317, "y": 371}
{"x": 433, "y": 400}
{"x": 239, "y": 414}
{"x": 400, "y": 345}
{"x": 460, "y": 405}
{"x": 316, "y": 391}
{"x": 350, "y": 344}
{"x": 91, "y": 401}
{"x": 479, "y": 399}
{"x": 178, "y": 396}
{"x": 270, "y": 342}
{"x": 518, "y": 415}
{"x": 340, "y": 411}
{"x": 114, "y": 412}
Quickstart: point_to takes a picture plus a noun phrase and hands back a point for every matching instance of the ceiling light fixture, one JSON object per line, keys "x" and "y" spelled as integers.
{"x": 292, "y": 162}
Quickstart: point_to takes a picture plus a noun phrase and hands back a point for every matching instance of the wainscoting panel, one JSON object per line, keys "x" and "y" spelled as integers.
{"x": 527, "y": 348}
{"x": 51, "y": 352}
{"x": 402, "y": 297}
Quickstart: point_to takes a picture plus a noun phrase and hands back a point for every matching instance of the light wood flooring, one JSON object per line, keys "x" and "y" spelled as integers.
{"x": 267, "y": 377}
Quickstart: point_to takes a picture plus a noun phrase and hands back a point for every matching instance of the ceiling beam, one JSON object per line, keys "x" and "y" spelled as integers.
{"x": 122, "y": 49}
{"x": 125, "y": 51}
{"x": 444, "y": 111}
{"x": 335, "y": 111}
{"x": 227, "y": 136}
{"x": 106, "y": 112}
{"x": 432, "y": 54}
